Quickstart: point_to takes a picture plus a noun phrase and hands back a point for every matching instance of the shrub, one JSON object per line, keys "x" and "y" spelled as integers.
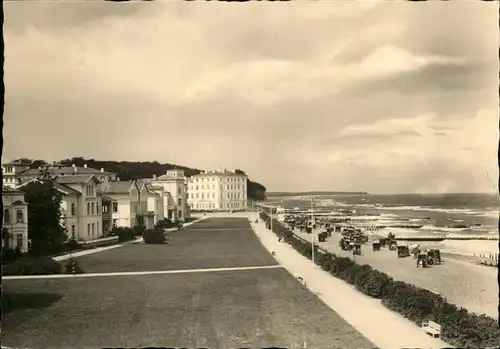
{"x": 164, "y": 224}
{"x": 33, "y": 265}
{"x": 138, "y": 230}
{"x": 71, "y": 266}
{"x": 123, "y": 233}
{"x": 459, "y": 327}
{"x": 10, "y": 255}
{"x": 154, "y": 236}
{"x": 72, "y": 245}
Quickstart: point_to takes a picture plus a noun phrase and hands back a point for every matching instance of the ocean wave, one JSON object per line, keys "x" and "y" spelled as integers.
{"x": 467, "y": 211}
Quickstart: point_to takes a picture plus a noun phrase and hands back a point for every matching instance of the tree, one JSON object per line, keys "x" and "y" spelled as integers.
{"x": 45, "y": 230}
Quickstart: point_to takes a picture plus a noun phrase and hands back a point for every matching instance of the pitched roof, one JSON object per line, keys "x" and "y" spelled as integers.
{"x": 118, "y": 187}
{"x": 19, "y": 202}
{"x": 65, "y": 189}
{"x": 168, "y": 177}
{"x": 105, "y": 197}
{"x": 84, "y": 178}
{"x": 67, "y": 170}
{"x": 61, "y": 187}
{"x": 10, "y": 190}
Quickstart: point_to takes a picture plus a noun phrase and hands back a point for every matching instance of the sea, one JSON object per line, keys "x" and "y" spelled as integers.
{"x": 439, "y": 214}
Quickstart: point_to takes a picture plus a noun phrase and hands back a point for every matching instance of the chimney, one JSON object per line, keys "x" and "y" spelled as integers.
{"x": 85, "y": 166}
{"x": 102, "y": 169}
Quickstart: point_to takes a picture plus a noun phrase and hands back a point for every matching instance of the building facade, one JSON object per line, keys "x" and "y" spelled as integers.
{"x": 15, "y": 219}
{"x": 125, "y": 206}
{"x": 81, "y": 205}
{"x": 11, "y": 172}
{"x": 218, "y": 190}
{"x": 87, "y": 204}
{"x": 174, "y": 200}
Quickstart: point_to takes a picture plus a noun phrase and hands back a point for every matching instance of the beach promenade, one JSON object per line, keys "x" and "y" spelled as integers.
{"x": 463, "y": 283}
{"x": 383, "y": 327}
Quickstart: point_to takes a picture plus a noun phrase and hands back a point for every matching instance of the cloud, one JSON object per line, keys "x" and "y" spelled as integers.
{"x": 366, "y": 86}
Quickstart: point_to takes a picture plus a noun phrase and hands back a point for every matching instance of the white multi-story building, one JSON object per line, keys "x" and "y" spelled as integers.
{"x": 218, "y": 190}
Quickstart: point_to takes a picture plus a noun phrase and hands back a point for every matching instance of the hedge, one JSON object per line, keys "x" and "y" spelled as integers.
{"x": 32, "y": 265}
{"x": 459, "y": 327}
{"x": 123, "y": 233}
{"x": 154, "y": 236}
{"x": 10, "y": 255}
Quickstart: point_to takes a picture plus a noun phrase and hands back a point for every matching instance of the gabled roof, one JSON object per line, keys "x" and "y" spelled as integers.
{"x": 167, "y": 177}
{"x": 65, "y": 189}
{"x": 105, "y": 197}
{"x": 76, "y": 179}
{"x": 61, "y": 187}
{"x": 10, "y": 190}
{"x": 67, "y": 170}
{"x": 118, "y": 187}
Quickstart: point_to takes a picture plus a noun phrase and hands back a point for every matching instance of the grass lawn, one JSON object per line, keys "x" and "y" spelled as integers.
{"x": 254, "y": 308}
{"x": 212, "y": 243}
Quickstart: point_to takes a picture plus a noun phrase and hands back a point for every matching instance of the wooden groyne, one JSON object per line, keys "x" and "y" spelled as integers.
{"x": 447, "y": 237}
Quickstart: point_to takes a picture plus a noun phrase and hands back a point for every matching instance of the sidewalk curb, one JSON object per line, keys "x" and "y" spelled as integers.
{"x": 107, "y": 248}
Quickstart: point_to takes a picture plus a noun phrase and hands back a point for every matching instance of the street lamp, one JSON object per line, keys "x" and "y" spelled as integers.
{"x": 312, "y": 225}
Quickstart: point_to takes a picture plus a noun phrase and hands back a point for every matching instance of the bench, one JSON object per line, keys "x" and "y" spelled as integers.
{"x": 432, "y": 328}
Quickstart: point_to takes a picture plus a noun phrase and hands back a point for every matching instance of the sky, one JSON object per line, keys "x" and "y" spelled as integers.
{"x": 392, "y": 97}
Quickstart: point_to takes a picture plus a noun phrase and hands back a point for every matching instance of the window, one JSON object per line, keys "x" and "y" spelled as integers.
{"x": 6, "y": 216}
{"x": 88, "y": 229}
{"x": 104, "y": 208}
{"x": 19, "y": 216}
{"x": 115, "y": 207}
{"x": 196, "y": 187}
{"x": 115, "y": 223}
{"x": 97, "y": 230}
{"x": 192, "y": 196}
{"x": 180, "y": 214}
{"x": 93, "y": 229}
{"x": 73, "y": 209}
{"x": 202, "y": 195}
{"x": 213, "y": 186}
{"x": 73, "y": 230}
{"x": 179, "y": 201}
{"x": 92, "y": 205}
{"x": 197, "y": 195}
{"x": 88, "y": 208}
{"x": 213, "y": 195}
{"x": 19, "y": 240}
{"x": 202, "y": 187}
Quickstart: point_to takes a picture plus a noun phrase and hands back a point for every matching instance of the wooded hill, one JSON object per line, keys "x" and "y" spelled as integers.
{"x": 131, "y": 170}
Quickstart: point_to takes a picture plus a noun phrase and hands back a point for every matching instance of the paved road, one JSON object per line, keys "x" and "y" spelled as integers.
{"x": 224, "y": 309}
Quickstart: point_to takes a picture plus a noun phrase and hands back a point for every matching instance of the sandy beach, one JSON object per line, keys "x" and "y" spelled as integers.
{"x": 462, "y": 283}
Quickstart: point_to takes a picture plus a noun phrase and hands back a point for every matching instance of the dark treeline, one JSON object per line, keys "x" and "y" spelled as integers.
{"x": 131, "y": 170}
